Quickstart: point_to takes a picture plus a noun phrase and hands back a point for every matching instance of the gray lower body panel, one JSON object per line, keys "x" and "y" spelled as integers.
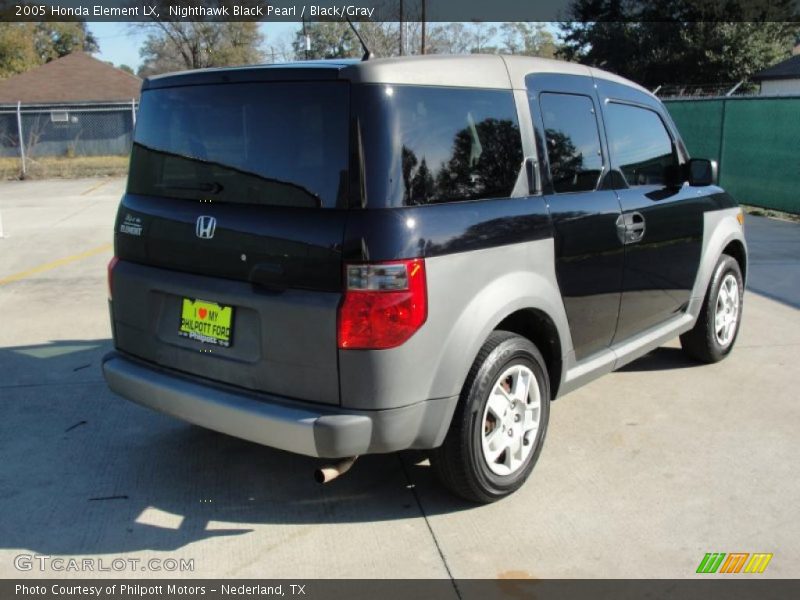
{"x": 303, "y": 428}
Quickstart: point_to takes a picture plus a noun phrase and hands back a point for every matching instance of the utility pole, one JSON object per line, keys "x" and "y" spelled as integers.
{"x": 422, "y": 49}
{"x": 306, "y": 39}
{"x": 400, "y": 26}
{"x": 21, "y": 140}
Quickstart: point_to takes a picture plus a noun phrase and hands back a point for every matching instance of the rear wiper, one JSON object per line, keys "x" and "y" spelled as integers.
{"x": 212, "y": 187}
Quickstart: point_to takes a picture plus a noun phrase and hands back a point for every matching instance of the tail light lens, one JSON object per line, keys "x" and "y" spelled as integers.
{"x": 384, "y": 304}
{"x": 111, "y": 264}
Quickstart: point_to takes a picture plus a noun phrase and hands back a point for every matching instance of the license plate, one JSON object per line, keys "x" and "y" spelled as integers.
{"x": 206, "y": 322}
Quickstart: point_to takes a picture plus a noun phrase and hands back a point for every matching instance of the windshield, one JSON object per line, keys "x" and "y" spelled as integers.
{"x": 280, "y": 144}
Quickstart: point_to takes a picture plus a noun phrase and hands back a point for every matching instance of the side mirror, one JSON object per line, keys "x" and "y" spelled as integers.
{"x": 701, "y": 171}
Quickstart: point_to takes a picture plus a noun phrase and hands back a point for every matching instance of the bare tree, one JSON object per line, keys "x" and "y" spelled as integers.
{"x": 182, "y": 45}
{"x": 336, "y": 39}
{"x": 450, "y": 38}
{"x": 482, "y": 36}
{"x": 530, "y": 39}
{"x": 280, "y": 48}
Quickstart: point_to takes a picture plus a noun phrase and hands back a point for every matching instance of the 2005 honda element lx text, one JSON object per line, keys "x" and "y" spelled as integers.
{"x": 339, "y": 258}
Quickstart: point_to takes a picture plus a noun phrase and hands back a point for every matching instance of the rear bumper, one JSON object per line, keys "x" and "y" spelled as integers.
{"x": 277, "y": 422}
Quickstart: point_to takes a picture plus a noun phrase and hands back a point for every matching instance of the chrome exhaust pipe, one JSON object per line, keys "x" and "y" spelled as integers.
{"x": 328, "y": 473}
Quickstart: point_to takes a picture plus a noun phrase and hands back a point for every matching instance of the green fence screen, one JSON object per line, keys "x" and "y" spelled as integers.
{"x": 755, "y": 140}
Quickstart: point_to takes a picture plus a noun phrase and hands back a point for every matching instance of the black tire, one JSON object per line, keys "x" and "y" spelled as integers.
{"x": 701, "y": 342}
{"x": 459, "y": 462}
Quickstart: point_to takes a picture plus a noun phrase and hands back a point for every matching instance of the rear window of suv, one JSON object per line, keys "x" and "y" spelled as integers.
{"x": 272, "y": 143}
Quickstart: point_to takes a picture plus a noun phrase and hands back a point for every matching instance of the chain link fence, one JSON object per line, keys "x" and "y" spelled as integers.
{"x": 740, "y": 88}
{"x": 30, "y": 134}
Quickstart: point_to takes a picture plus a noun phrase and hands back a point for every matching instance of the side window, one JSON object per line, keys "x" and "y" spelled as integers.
{"x": 573, "y": 142}
{"x": 426, "y": 145}
{"x": 457, "y": 144}
{"x": 639, "y": 143}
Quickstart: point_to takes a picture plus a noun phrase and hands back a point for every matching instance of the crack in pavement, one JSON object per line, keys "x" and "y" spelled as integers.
{"x": 413, "y": 488}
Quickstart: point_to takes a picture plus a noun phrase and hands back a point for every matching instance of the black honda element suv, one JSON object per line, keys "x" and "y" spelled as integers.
{"x": 339, "y": 258}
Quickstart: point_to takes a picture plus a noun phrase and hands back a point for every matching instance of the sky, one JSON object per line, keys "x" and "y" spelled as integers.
{"x": 120, "y": 42}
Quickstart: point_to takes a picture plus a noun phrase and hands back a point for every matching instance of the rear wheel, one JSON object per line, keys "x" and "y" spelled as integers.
{"x": 500, "y": 424}
{"x": 714, "y": 334}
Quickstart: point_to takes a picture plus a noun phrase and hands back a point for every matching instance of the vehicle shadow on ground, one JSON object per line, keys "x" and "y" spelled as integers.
{"x": 85, "y": 472}
{"x": 774, "y": 259}
{"x": 661, "y": 359}
{"x": 778, "y": 286}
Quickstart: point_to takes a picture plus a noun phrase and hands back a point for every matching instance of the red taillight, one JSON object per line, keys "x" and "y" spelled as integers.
{"x": 111, "y": 264}
{"x": 384, "y": 304}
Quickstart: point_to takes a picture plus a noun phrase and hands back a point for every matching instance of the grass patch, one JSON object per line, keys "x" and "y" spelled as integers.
{"x": 772, "y": 214}
{"x": 63, "y": 167}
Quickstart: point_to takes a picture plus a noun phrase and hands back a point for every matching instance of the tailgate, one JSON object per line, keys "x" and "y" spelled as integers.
{"x": 278, "y": 269}
{"x": 281, "y": 342}
{"x": 229, "y": 236}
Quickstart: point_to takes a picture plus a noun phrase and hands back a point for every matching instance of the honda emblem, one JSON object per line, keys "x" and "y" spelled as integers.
{"x": 205, "y": 227}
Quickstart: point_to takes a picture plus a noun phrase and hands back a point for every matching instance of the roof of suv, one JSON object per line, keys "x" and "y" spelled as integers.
{"x": 472, "y": 70}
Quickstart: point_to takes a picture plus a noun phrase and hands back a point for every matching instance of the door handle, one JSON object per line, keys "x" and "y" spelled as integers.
{"x": 636, "y": 226}
{"x": 631, "y": 227}
{"x": 532, "y": 172}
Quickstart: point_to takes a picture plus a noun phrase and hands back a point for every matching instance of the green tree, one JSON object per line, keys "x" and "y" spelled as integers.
{"x": 17, "y": 50}
{"x": 126, "y": 68}
{"x": 54, "y": 40}
{"x": 24, "y": 46}
{"x": 655, "y": 42}
{"x": 177, "y": 46}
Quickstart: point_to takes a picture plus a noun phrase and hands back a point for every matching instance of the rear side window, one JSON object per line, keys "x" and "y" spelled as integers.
{"x": 639, "y": 143}
{"x": 425, "y": 145}
{"x": 253, "y": 143}
{"x": 573, "y": 142}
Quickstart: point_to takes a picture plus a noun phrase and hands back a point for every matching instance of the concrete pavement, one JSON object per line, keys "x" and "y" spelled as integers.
{"x": 643, "y": 472}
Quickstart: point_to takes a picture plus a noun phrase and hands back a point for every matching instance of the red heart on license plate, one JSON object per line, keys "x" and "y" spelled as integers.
{"x": 202, "y": 312}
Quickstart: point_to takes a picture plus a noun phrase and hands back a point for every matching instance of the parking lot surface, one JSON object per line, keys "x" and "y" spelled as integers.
{"x": 644, "y": 471}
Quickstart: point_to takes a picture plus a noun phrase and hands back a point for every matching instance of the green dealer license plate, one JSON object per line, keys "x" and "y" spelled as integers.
{"x": 206, "y": 322}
